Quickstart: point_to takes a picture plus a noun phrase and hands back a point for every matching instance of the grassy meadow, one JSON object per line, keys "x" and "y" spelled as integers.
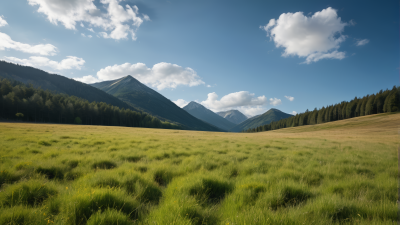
{"x": 343, "y": 172}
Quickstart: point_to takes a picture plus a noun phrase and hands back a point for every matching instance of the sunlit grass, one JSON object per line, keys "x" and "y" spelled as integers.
{"x": 334, "y": 173}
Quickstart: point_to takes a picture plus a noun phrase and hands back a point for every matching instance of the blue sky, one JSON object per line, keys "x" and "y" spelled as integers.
{"x": 245, "y": 55}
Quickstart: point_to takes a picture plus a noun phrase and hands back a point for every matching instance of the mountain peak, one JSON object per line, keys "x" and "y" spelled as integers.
{"x": 193, "y": 105}
{"x": 128, "y": 78}
{"x": 260, "y": 120}
{"x": 199, "y": 111}
{"x": 140, "y": 96}
{"x": 233, "y": 116}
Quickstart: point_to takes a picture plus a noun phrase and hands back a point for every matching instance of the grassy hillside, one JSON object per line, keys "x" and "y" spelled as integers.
{"x": 266, "y": 118}
{"x": 342, "y": 172}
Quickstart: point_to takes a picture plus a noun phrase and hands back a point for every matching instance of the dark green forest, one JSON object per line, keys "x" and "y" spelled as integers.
{"x": 381, "y": 102}
{"x": 25, "y": 103}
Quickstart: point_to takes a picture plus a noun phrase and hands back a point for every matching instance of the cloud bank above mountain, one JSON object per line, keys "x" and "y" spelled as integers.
{"x": 41, "y": 49}
{"x": 243, "y": 101}
{"x": 161, "y": 76}
{"x": 71, "y": 62}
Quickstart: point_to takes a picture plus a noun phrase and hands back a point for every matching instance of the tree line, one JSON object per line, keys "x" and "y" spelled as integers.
{"x": 26, "y": 103}
{"x": 381, "y": 102}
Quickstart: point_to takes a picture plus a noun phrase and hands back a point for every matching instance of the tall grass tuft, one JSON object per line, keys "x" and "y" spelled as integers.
{"x": 32, "y": 192}
{"x": 109, "y": 217}
{"x": 104, "y": 164}
{"x": 51, "y": 173}
{"x": 82, "y": 206}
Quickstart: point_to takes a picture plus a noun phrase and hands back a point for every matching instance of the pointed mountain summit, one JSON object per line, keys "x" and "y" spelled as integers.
{"x": 256, "y": 121}
{"x": 199, "y": 111}
{"x": 233, "y": 116}
{"x": 138, "y": 95}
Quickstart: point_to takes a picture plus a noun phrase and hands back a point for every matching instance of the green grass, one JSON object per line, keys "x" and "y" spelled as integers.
{"x": 342, "y": 172}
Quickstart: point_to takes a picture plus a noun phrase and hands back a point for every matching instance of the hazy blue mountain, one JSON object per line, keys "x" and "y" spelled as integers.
{"x": 266, "y": 118}
{"x": 199, "y": 111}
{"x": 58, "y": 84}
{"x": 131, "y": 91}
{"x": 233, "y": 116}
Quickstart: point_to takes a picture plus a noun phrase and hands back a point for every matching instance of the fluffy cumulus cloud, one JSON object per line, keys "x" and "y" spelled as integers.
{"x": 236, "y": 99}
{"x": 244, "y": 101}
{"x": 290, "y": 98}
{"x": 294, "y": 113}
{"x": 362, "y": 42}
{"x": 118, "y": 22}
{"x": 71, "y": 62}
{"x": 252, "y": 111}
{"x": 89, "y": 79}
{"x": 275, "y": 101}
{"x": 161, "y": 75}
{"x": 181, "y": 103}
{"x": 315, "y": 38}
{"x": 3, "y": 22}
{"x": 42, "y": 49}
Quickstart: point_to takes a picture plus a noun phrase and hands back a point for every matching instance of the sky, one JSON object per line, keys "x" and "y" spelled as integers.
{"x": 245, "y": 55}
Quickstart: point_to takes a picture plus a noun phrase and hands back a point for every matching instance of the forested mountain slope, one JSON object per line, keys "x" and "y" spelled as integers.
{"x": 58, "y": 84}
{"x": 266, "y": 118}
{"x": 26, "y": 103}
{"x": 144, "y": 98}
{"x": 381, "y": 102}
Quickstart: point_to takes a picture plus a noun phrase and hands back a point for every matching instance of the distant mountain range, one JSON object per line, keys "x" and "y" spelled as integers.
{"x": 138, "y": 95}
{"x": 129, "y": 93}
{"x": 266, "y": 118}
{"x": 233, "y": 116}
{"x": 58, "y": 84}
{"x": 200, "y": 112}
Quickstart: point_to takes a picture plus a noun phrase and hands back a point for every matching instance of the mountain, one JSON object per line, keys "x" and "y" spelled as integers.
{"x": 233, "y": 116}
{"x": 138, "y": 95}
{"x": 266, "y": 118}
{"x": 200, "y": 112}
{"x": 58, "y": 84}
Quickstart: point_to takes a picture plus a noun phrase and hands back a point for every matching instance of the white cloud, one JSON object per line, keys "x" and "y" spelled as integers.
{"x": 71, "y": 62}
{"x": 89, "y": 79}
{"x": 316, "y": 37}
{"x": 84, "y": 35}
{"x": 161, "y": 75}
{"x": 117, "y": 23}
{"x": 42, "y": 49}
{"x": 243, "y": 101}
{"x": 362, "y": 42}
{"x": 275, "y": 101}
{"x": 233, "y": 100}
{"x": 181, "y": 103}
{"x": 252, "y": 111}
{"x": 294, "y": 113}
{"x": 3, "y": 22}
{"x": 90, "y": 29}
{"x": 146, "y": 17}
{"x": 290, "y": 98}
{"x": 317, "y": 56}
{"x": 82, "y": 25}
{"x": 208, "y": 85}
